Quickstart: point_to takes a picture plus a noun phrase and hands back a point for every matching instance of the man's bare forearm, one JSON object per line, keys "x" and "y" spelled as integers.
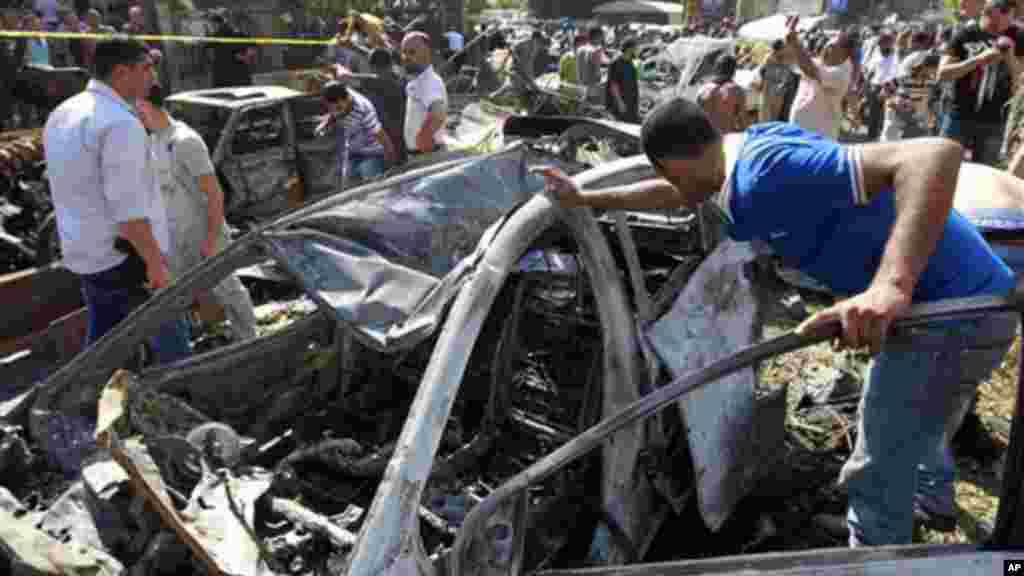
{"x": 390, "y": 154}
{"x": 955, "y": 70}
{"x": 1015, "y": 66}
{"x": 140, "y": 234}
{"x": 215, "y": 206}
{"x": 805, "y": 62}
{"x": 924, "y": 184}
{"x": 654, "y": 194}
{"x": 1016, "y": 165}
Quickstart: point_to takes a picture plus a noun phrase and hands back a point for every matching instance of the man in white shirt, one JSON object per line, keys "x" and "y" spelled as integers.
{"x": 818, "y": 106}
{"x": 879, "y": 70}
{"x": 110, "y": 217}
{"x": 426, "y": 105}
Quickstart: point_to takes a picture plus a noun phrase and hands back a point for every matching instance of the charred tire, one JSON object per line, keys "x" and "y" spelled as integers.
{"x": 47, "y": 241}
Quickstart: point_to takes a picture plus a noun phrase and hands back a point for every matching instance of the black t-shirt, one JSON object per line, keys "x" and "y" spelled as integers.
{"x": 623, "y": 72}
{"x": 227, "y": 69}
{"x": 982, "y": 94}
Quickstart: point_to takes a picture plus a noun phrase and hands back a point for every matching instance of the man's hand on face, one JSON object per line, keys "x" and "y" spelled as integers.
{"x": 558, "y": 184}
{"x": 865, "y": 318}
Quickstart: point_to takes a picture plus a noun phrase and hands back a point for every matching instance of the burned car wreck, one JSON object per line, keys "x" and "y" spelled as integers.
{"x": 479, "y": 387}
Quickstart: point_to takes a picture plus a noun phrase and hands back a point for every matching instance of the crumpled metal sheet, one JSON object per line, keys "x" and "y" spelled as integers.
{"x": 32, "y": 551}
{"x": 715, "y": 316}
{"x": 388, "y": 261}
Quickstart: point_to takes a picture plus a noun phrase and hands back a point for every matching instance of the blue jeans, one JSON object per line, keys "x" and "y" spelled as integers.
{"x": 366, "y": 167}
{"x": 985, "y": 140}
{"x": 916, "y": 394}
{"x": 110, "y": 298}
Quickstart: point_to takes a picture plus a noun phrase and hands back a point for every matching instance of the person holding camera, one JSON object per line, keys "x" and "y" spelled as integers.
{"x": 773, "y": 78}
{"x": 983, "y": 63}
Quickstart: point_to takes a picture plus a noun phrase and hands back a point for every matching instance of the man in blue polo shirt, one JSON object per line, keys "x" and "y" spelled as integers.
{"x": 874, "y": 222}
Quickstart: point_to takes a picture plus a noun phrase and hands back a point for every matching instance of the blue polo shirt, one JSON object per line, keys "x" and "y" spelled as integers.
{"x": 802, "y": 195}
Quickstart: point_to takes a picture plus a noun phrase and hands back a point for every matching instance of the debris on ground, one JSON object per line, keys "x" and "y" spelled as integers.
{"x": 199, "y": 494}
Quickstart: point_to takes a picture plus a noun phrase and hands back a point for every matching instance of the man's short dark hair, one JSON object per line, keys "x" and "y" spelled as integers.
{"x": 778, "y": 45}
{"x": 677, "y": 128}
{"x": 118, "y": 50}
{"x": 334, "y": 91}
{"x": 595, "y": 32}
{"x": 629, "y": 43}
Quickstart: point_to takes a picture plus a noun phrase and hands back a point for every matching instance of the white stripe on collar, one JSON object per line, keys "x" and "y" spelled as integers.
{"x": 733, "y": 147}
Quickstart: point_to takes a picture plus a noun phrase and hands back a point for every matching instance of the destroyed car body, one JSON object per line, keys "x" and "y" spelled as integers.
{"x": 25, "y": 206}
{"x": 424, "y": 290}
{"x": 260, "y": 142}
{"x": 386, "y": 265}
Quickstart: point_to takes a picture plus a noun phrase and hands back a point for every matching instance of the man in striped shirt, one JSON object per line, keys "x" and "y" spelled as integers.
{"x": 364, "y": 148}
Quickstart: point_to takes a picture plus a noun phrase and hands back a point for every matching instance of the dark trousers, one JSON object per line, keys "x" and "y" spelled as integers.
{"x": 983, "y": 139}
{"x": 110, "y": 296}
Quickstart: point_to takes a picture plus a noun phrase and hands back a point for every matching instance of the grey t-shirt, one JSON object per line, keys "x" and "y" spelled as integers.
{"x": 181, "y": 157}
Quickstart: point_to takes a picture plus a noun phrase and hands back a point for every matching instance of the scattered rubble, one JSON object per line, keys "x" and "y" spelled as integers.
{"x": 184, "y": 493}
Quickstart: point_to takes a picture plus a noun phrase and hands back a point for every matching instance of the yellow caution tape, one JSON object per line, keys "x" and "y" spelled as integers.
{"x": 167, "y": 38}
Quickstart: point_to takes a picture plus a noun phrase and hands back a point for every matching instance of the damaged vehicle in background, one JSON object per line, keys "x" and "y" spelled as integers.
{"x": 476, "y": 387}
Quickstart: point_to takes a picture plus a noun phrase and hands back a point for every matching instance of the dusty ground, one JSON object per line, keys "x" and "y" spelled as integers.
{"x": 822, "y": 437}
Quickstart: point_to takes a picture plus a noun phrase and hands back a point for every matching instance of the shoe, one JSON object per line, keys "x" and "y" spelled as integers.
{"x": 833, "y": 525}
{"x": 934, "y": 520}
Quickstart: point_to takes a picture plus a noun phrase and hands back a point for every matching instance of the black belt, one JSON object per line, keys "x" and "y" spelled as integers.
{"x": 419, "y": 153}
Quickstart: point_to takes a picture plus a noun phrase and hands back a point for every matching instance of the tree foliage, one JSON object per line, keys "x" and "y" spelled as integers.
{"x": 338, "y": 7}
{"x": 474, "y": 7}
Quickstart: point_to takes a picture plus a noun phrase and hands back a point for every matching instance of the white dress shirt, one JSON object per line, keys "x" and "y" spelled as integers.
{"x": 421, "y": 92}
{"x": 98, "y": 165}
{"x": 818, "y": 105}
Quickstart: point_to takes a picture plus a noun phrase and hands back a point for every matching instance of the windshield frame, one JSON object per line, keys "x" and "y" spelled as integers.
{"x": 212, "y": 133}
